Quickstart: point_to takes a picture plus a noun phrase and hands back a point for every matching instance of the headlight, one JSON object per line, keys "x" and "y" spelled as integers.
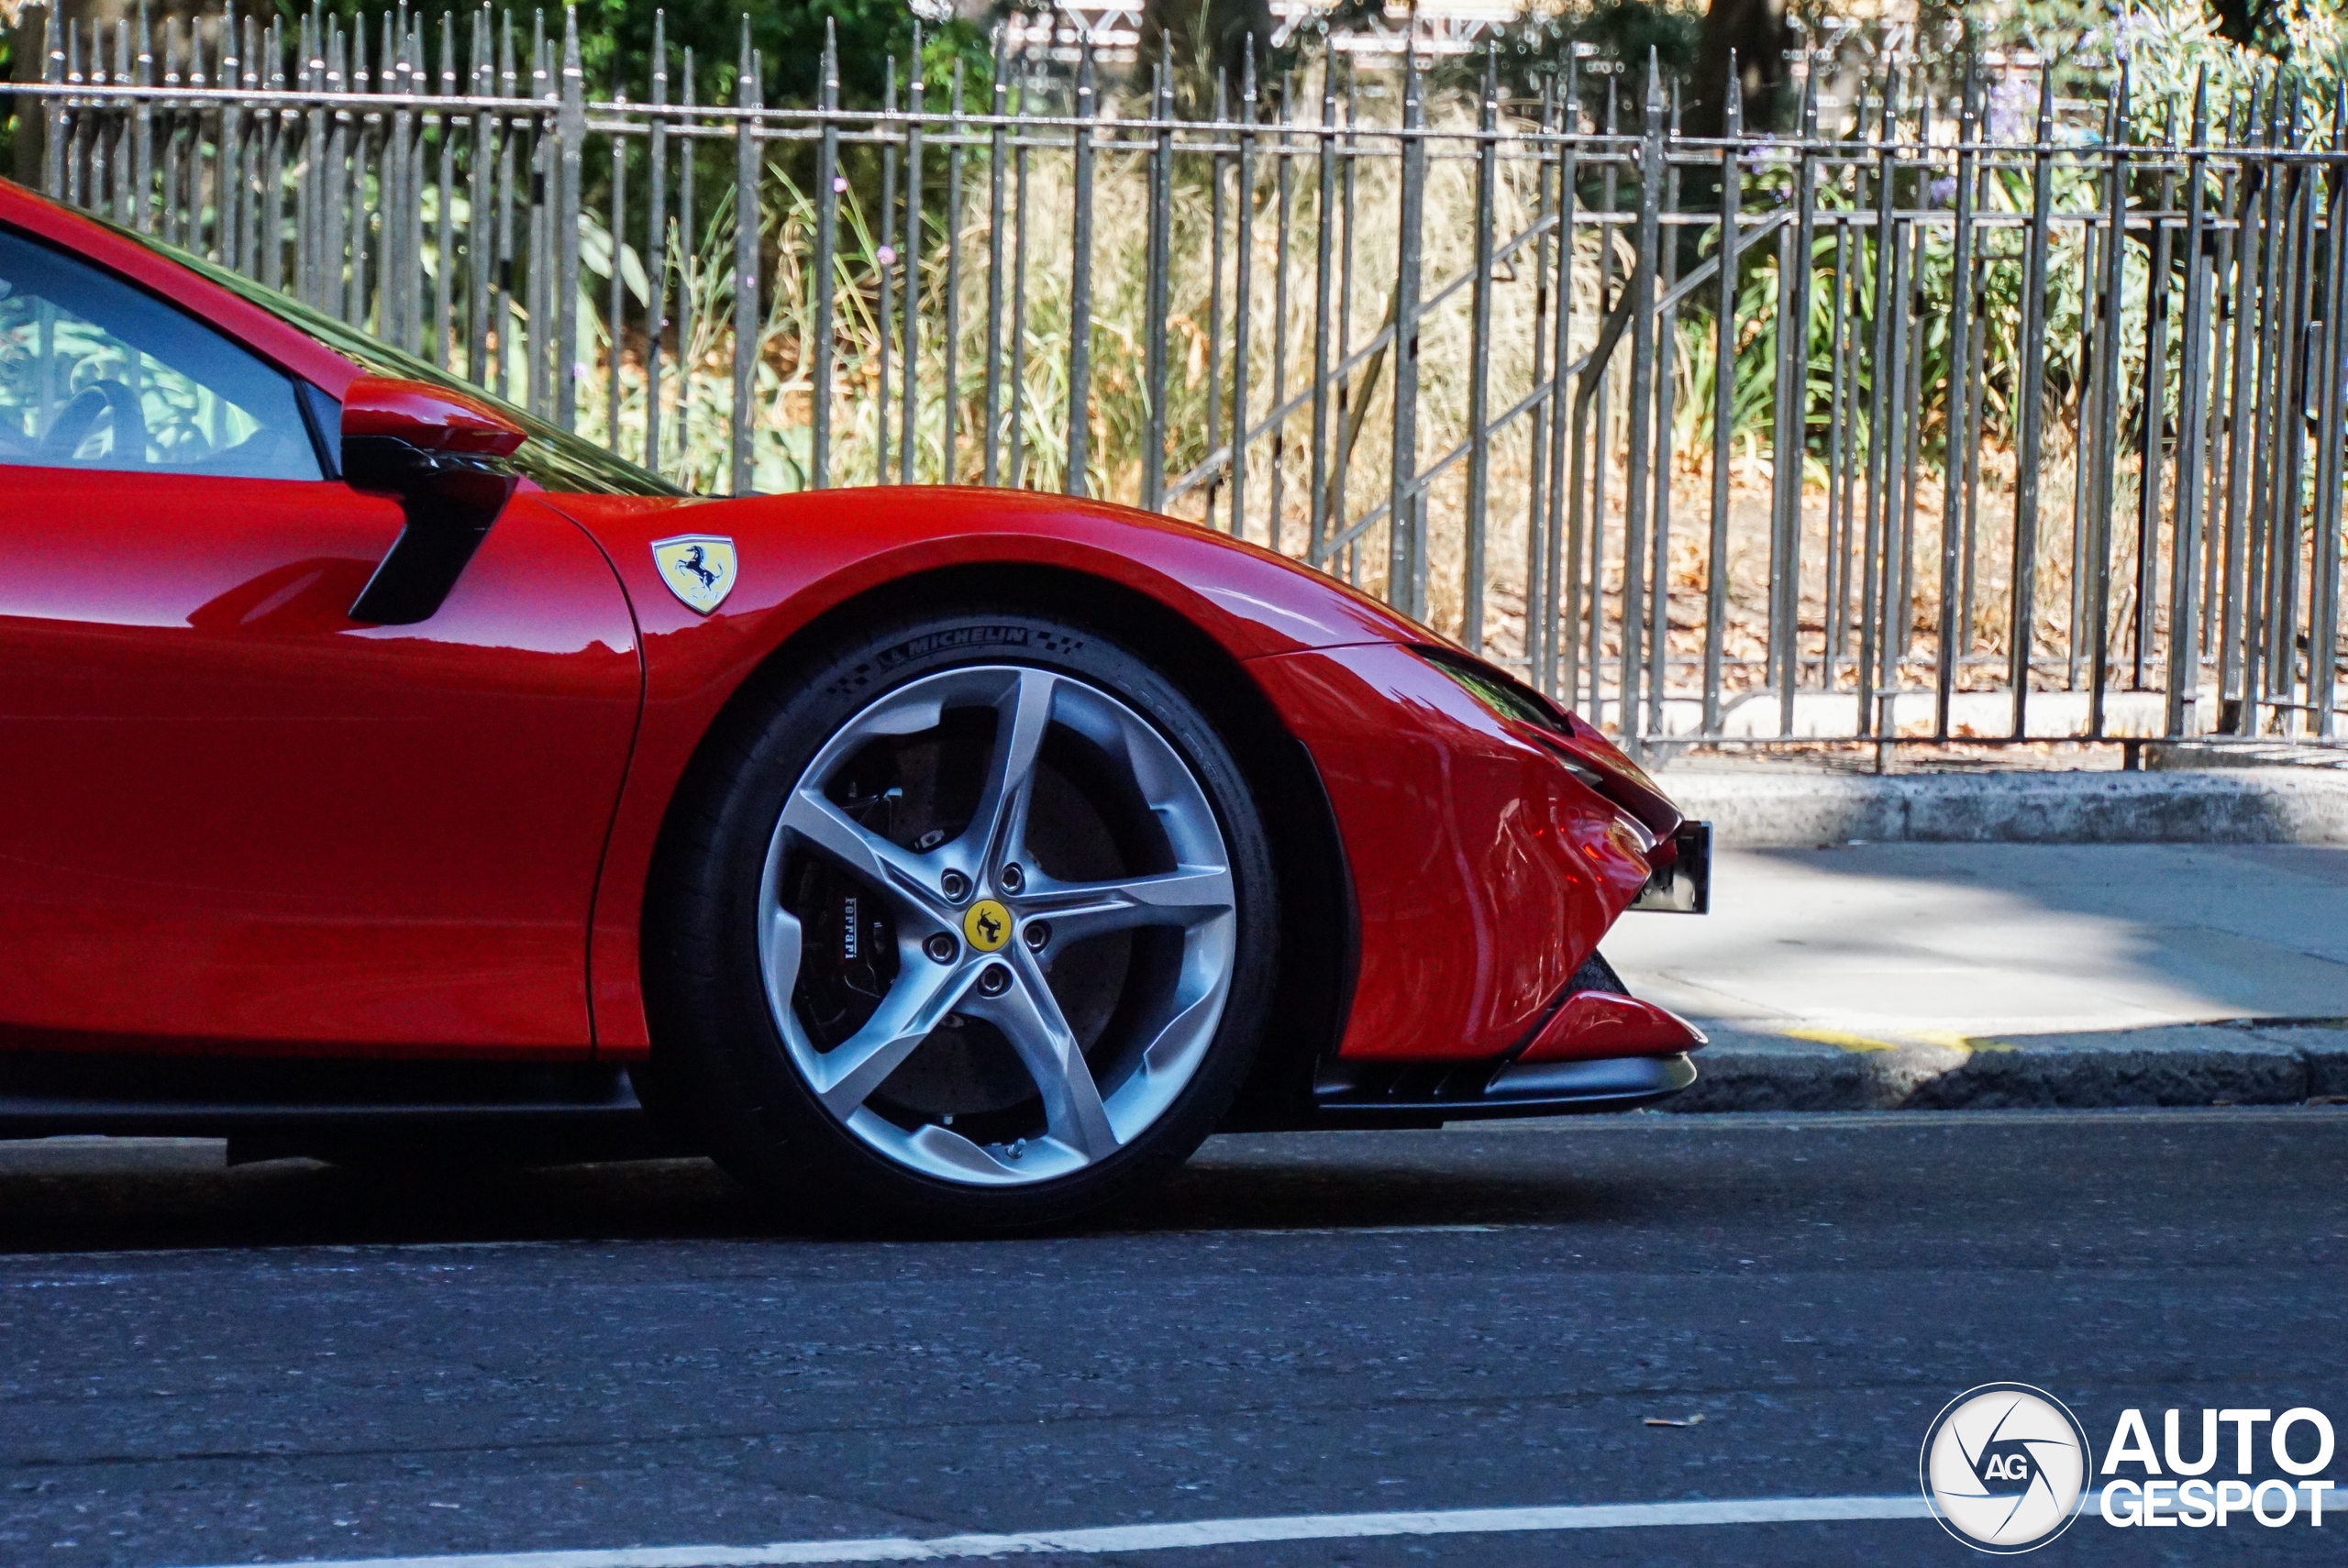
{"x": 1513, "y": 699}
{"x": 1503, "y": 696}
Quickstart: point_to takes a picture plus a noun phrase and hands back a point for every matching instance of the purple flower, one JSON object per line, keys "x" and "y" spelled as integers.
{"x": 2013, "y": 110}
{"x": 1942, "y": 191}
{"x": 886, "y": 256}
{"x": 839, "y": 184}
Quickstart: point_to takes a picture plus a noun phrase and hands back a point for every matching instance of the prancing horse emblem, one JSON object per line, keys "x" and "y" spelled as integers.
{"x": 698, "y": 569}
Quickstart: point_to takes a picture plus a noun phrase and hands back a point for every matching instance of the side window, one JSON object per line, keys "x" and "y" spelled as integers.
{"x": 97, "y": 374}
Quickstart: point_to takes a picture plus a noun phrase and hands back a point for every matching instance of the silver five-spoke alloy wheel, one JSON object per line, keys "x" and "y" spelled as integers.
{"x": 997, "y": 925}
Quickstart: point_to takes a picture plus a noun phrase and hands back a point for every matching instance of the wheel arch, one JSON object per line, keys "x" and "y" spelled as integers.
{"x": 1319, "y": 931}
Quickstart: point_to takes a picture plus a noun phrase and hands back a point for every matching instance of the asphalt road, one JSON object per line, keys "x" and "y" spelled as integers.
{"x": 200, "y": 1365}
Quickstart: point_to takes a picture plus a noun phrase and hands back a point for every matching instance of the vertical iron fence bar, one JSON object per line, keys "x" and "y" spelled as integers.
{"x": 167, "y": 221}
{"x": 2249, "y": 616}
{"x": 1786, "y": 355}
{"x": 827, "y": 239}
{"x": 52, "y": 109}
{"x": 1561, "y": 576}
{"x": 1787, "y": 622}
{"x": 2289, "y": 510}
{"x": 444, "y": 236}
{"x": 1658, "y": 606}
{"x": 1241, "y": 292}
{"x": 2323, "y": 600}
{"x": 2192, "y": 428}
{"x": 656, "y": 246}
{"x": 393, "y": 185}
{"x": 741, "y": 447}
{"x": 909, "y": 258}
{"x": 1547, "y": 387}
{"x": 1878, "y": 487}
{"x": 1214, "y": 289}
{"x": 615, "y": 296}
{"x": 1283, "y": 192}
{"x": 2032, "y": 393}
{"x": 508, "y": 156}
{"x": 1730, "y": 252}
{"x": 1079, "y": 293}
{"x": 2256, "y": 519}
{"x": 2107, "y": 394}
{"x": 950, "y": 370}
{"x": 1479, "y": 331}
{"x": 413, "y": 289}
{"x": 1975, "y": 435}
{"x": 2221, "y": 203}
{"x": 277, "y": 128}
{"x": 2250, "y": 263}
{"x": 1593, "y": 560}
{"x": 539, "y": 366}
{"x": 998, "y": 136}
{"x": 1834, "y": 609}
{"x": 689, "y": 269}
{"x": 1914, "y": 254}
{"x": 1018, "y": 357}
{"x": 163, "y": 163}
{"x": 1405, "y": 570}
{"x": 2153, "y": 414}
{"x": 1630, "y": 719}
{"x": 141, "y": 126}
{"x": 480, "y": 245}
{"x": 1324, "y": 301}
{"x": 884, "y": 270}
{"x": 1158, "y": 278}
{"x": 320, "y": 154}
{"x": 1959, "y": 411}
{"x": 1346, "y": 409}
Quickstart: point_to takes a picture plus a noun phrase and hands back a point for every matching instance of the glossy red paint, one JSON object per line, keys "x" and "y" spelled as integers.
{"x": 1595, "y": 1025}
{"x": 431, "y": 418}
{"x": 1484, "y": 871}
{"x": 799, "y": 556}
{"x": 230, "y": 815}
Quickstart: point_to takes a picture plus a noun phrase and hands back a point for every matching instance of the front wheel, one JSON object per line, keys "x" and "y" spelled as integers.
{"x": 972, "y": 929}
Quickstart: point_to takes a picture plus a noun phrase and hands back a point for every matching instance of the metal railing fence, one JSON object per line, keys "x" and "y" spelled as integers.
{"x": 1966, "y": 419}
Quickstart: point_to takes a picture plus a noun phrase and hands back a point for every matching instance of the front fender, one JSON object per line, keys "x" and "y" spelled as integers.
{"x": 801, "y": 556}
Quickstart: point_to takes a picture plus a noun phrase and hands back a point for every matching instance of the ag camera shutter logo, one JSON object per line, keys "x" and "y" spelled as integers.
{"x": 2003, "y": 1467}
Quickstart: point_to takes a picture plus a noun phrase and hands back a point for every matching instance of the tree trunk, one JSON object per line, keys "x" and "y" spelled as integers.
{"x": 1756, "y": 31}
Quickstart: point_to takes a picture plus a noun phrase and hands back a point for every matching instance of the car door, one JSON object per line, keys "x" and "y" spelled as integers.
{"x": 230, "y": 816}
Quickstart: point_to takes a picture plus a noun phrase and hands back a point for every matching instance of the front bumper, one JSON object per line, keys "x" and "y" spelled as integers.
{"x": 1484, "y": 868}
{"x": 1350, "y": 1095}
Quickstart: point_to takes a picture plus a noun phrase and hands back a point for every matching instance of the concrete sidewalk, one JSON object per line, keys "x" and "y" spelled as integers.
{"x": 1765, "y": 805}
{"x": 1919, "y": 975}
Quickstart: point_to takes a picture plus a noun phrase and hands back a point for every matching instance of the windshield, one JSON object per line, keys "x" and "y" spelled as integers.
{"x": 557, "y": 460}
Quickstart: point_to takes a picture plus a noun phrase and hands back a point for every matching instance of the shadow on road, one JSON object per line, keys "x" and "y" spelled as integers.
{"x": 82, "y": 1195}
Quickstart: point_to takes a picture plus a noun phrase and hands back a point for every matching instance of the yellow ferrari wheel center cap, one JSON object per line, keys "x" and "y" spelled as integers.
{"x": 987, "y": 925}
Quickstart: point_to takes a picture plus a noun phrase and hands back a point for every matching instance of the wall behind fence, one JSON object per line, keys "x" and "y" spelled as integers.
{"x": 1957, "y": 412}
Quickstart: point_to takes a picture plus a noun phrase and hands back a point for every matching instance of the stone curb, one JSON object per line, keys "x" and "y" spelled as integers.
{"x": 2255, "y": 1062}
{"x": 1760, "y": 809}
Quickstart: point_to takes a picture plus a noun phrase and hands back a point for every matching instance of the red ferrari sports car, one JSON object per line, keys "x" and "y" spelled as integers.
{"x": 384, "y": 766}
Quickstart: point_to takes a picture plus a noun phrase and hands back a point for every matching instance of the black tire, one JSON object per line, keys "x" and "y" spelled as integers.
{"x": 717, "y": 1046}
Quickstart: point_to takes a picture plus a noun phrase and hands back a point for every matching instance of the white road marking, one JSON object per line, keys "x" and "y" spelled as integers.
{"x": 1197, "y": 1533}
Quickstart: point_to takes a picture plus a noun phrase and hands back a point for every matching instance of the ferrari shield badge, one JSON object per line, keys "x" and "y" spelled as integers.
{"x": 698, "y": 569}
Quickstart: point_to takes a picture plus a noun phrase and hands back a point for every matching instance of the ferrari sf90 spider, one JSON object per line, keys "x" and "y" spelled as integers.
{"x": 388, "y": 771}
